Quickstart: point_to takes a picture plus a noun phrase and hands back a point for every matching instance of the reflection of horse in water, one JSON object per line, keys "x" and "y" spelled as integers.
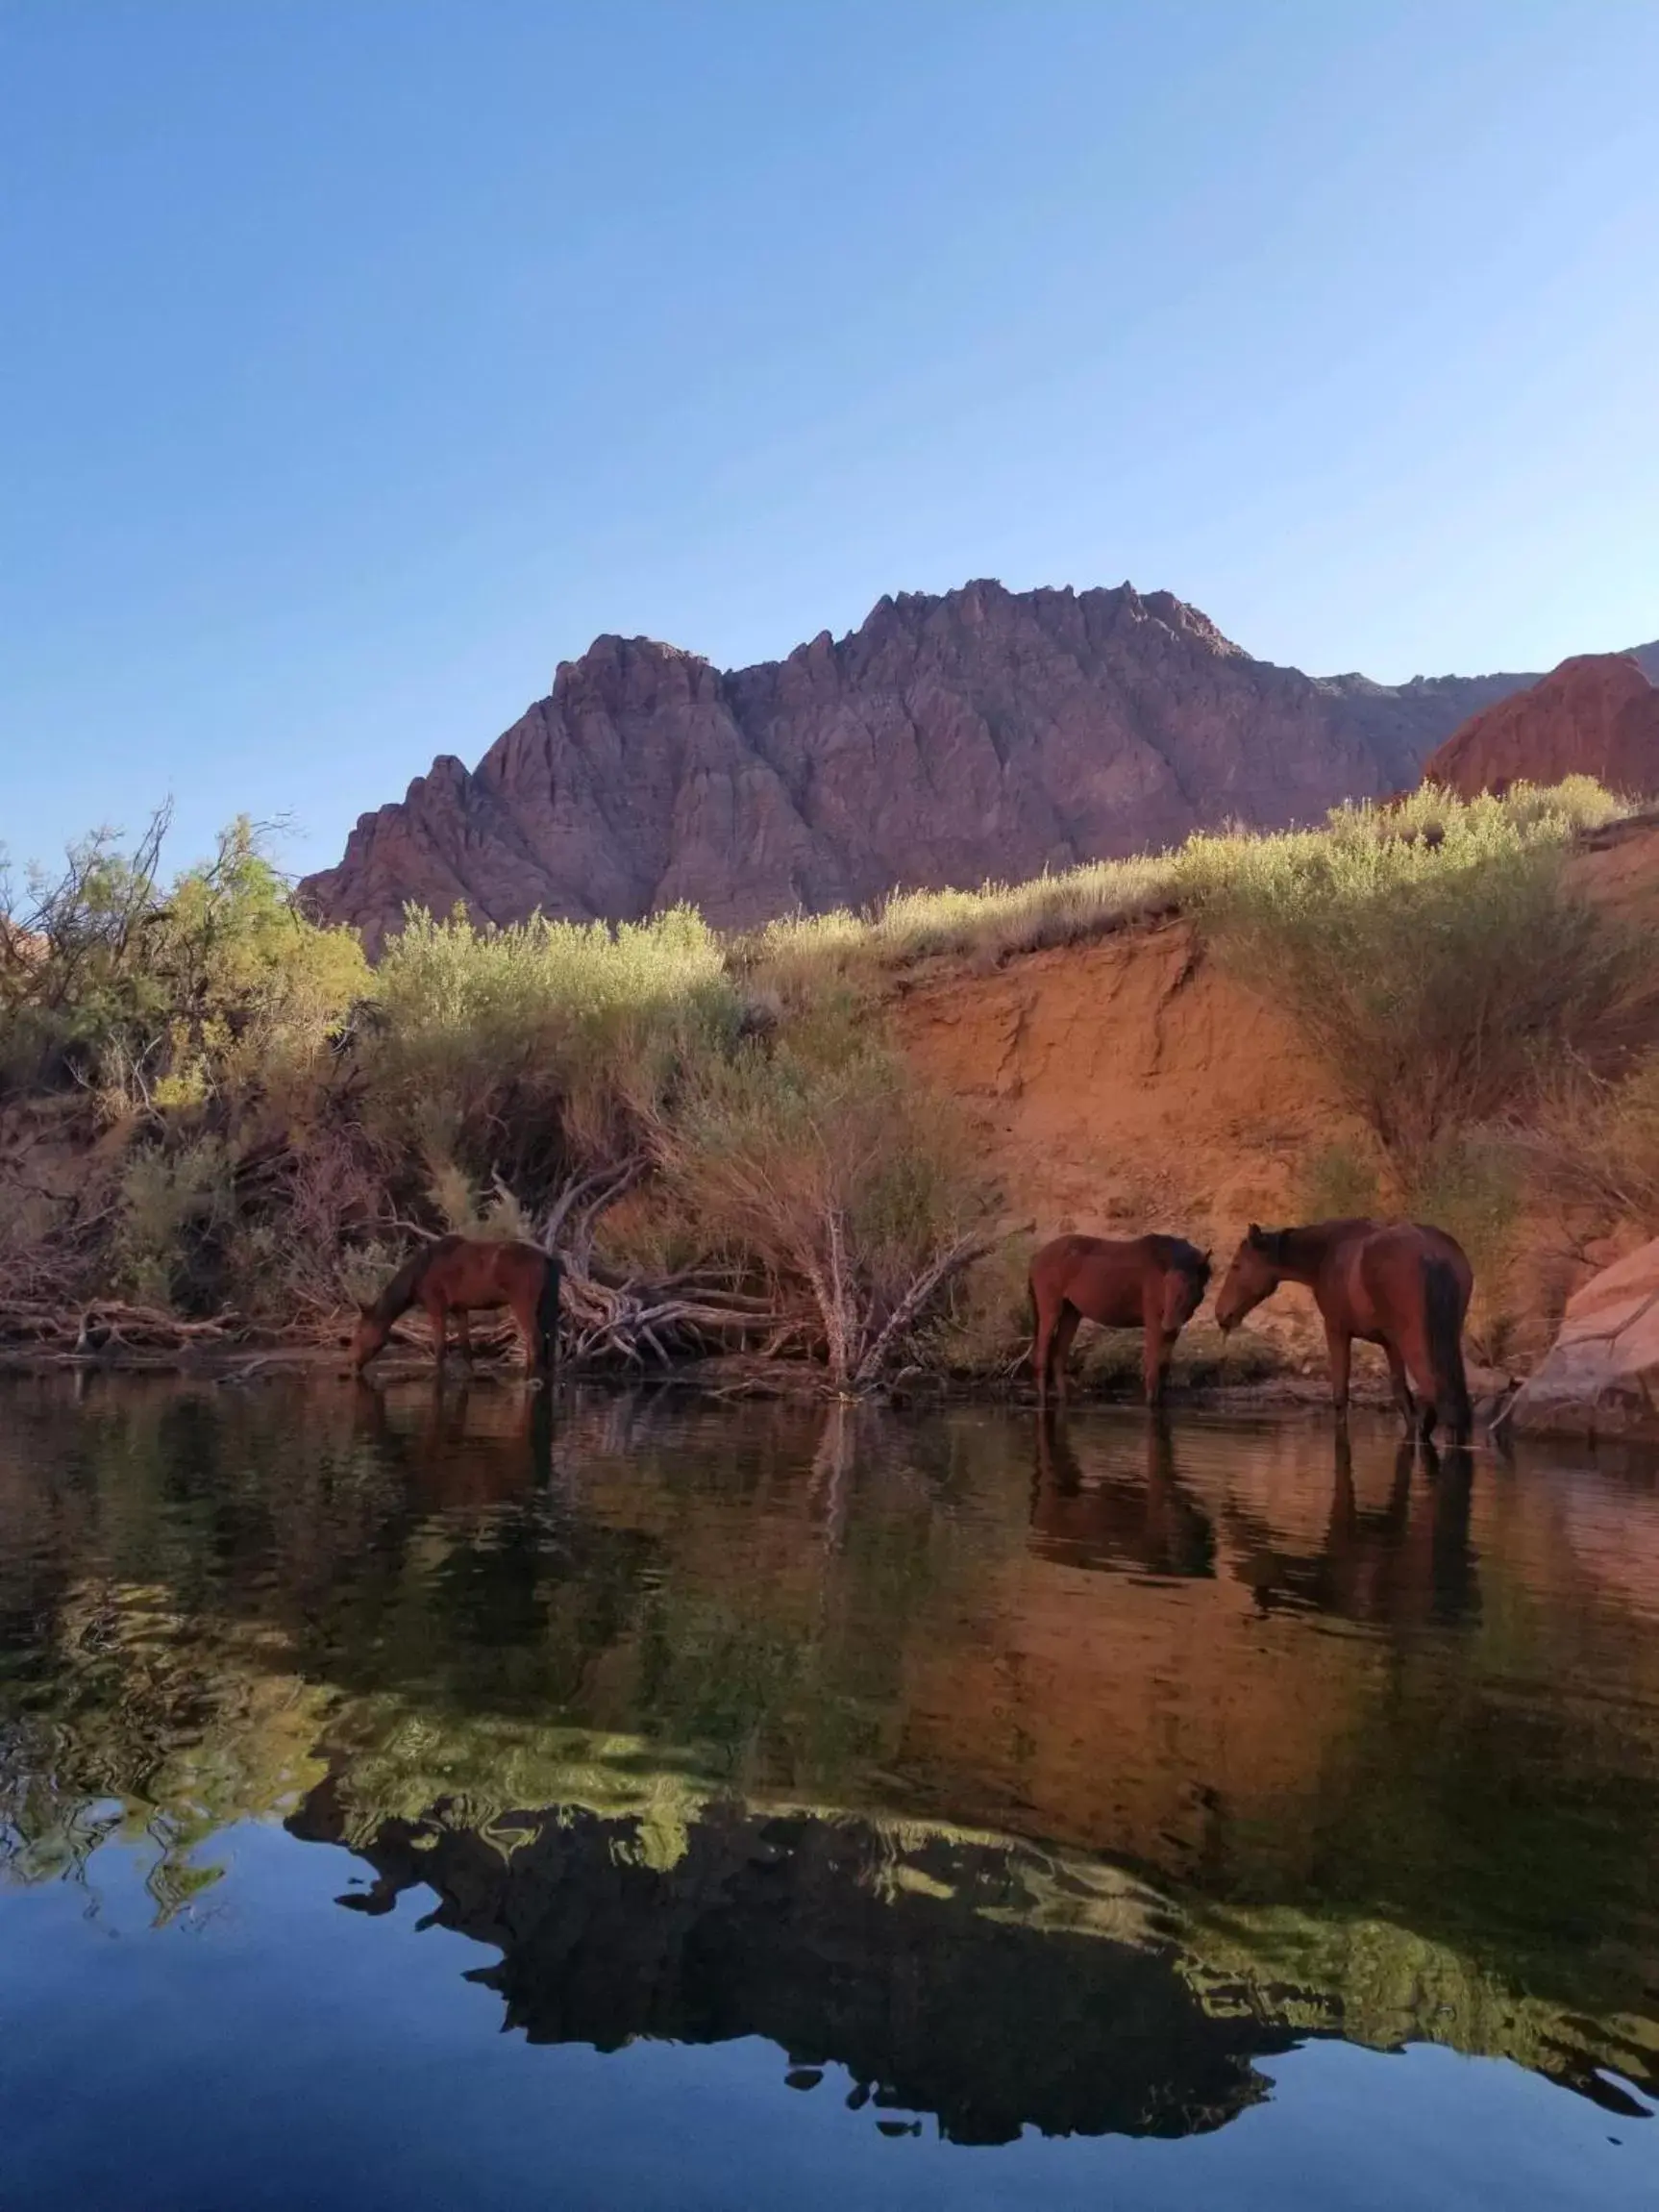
{"x": 468, "y": 1448}
{"x": 1146, "y": 1519}
{"x": 1153, "y": 1284}
{"x": 1407, "y": 1560}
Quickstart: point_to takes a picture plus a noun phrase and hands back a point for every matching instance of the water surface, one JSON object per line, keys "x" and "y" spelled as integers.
{"x": 438, "y": 1799}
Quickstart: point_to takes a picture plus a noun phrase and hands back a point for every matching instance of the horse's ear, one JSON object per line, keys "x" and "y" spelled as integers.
{"x": 1255, "y": 1235}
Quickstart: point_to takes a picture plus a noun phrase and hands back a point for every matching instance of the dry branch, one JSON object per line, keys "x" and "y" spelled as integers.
{"x": 923, "y": 1291}
{"x": 109, "y": 1325}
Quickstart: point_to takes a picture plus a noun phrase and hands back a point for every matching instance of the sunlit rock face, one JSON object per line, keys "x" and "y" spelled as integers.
{"x": 1595, "y": 715}
{"x": 1601, "y": 1376}
{"x": 984, "y": 733}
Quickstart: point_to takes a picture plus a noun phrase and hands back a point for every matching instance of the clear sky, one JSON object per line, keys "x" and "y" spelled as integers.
{"x": 361, "y": 360}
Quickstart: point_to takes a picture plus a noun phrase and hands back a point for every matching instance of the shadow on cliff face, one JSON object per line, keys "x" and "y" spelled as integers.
{"x": 905, "y": 1964}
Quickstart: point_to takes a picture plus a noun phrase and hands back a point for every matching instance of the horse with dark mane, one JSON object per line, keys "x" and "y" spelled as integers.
{"x": 462, "y": 1276}
{"x": 1402, "y": 1284}
{"x": 1154, "y": 1283}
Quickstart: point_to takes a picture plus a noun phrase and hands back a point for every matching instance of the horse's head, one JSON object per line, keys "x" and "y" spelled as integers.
{"x": 366, "y": 1337}
{"x": 1184, "y": 1288}
{"x": 1253, "y": 1275}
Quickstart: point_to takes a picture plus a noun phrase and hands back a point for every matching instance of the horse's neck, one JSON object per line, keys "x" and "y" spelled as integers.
{"x": 398, "y": 1294}
{"x": 1307, "y": 1250}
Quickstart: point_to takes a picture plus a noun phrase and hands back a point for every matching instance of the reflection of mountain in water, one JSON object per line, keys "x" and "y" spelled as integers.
{"x": 912, "y": 1966}
{"x": 1101, "y": 1633}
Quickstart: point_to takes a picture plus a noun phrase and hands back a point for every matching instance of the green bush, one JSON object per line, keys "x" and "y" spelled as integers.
{"x": 286, "y": 1111}
{"x": 1596, "y": 1145}
{"x": 1338, "y": 1182}
{"x": 166, "y": 997}
{"x": 800, "y": 954}
{"x": 987, "y": 1324}
{"x": 1435, "y": 959}
{"x": 170, "y": 1201}
{"x": 822, "y": 1161}
{"x": 529, "y": 1052}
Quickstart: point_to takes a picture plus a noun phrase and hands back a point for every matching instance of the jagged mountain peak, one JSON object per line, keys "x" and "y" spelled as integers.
{"x": 951, "y": 737}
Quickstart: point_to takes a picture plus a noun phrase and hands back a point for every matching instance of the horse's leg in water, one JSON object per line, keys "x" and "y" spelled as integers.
{"x": 1340, "y": 1347}
{"x": 1043, "y": 1341}
{"x": 437, "y": 1315}
{"x": 529, "y": 1328}
{"x": 463, "y": 1332}
{"x": 1157, "y": 1343}
{"x": 1065, "y": 1330}
{"x": 1402, "y": 1381}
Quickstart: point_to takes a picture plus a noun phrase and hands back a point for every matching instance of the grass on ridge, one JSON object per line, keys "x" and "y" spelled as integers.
{"x": 1365, "y": 844}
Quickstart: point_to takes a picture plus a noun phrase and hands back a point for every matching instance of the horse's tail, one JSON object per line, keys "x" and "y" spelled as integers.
{"x": 547, "y": 1311}
{"x": 1443, "y": 1326}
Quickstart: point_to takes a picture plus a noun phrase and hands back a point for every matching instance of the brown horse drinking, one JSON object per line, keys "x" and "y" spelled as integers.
{"x": 460, "y": 1274}
{"x": 1154, "y": 1283}
{"x": 1400, "y": 1284}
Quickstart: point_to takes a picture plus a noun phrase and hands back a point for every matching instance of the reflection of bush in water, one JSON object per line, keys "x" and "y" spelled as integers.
{"x": 401, "y": 1771}
{"x": 133, "y": 1742}
{"x": 1382, "y": 1986}
{"x": 212, "y": 1635}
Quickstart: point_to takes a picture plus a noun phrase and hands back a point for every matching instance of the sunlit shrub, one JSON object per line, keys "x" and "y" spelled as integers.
{"x": 1434, "y": 959}
{"x": 169, "y": 1200}
{"x": 527, "y": 1051}
{"x": 797, "y": 954}
{"x": 165, "y": 996}
{"x": 823, "y": 1162}
{"x": 1595, "y": 1145}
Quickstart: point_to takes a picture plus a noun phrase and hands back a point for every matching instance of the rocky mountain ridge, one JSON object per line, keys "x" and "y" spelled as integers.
{"x": 948, "y": 740}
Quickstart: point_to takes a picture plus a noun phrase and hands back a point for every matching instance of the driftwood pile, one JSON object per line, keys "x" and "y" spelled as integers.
{"x": 609, "y": 1319}
{"x": 605, "y": 1320}
{"x": 108, "y": 1326}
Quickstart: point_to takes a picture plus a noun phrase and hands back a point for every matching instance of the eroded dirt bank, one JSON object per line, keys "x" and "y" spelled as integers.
{"x": 1131, "y": 1083}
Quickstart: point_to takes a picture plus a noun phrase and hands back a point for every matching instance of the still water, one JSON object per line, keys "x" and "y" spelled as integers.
{"x": 414, "y": 1800}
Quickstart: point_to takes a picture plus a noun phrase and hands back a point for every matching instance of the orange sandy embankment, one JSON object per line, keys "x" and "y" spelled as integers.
{"x": 1130, "y": 1084}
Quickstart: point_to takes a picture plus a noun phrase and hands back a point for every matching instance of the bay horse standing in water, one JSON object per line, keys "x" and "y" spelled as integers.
{"x": 1154, "y": 1283}
{"x": 463, "y": 1275}
{"x": 1402, "y": 1284}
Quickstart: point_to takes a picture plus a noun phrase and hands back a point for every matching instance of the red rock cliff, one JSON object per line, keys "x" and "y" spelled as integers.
{"x": 948, "y": 740}
{"x": 1597, "y": 715}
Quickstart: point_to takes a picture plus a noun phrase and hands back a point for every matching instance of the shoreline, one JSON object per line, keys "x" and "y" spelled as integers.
{"x": 718, "y": 1379}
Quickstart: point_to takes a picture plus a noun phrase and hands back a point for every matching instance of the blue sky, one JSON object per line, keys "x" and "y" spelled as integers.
{"x": 363, "y": 360}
